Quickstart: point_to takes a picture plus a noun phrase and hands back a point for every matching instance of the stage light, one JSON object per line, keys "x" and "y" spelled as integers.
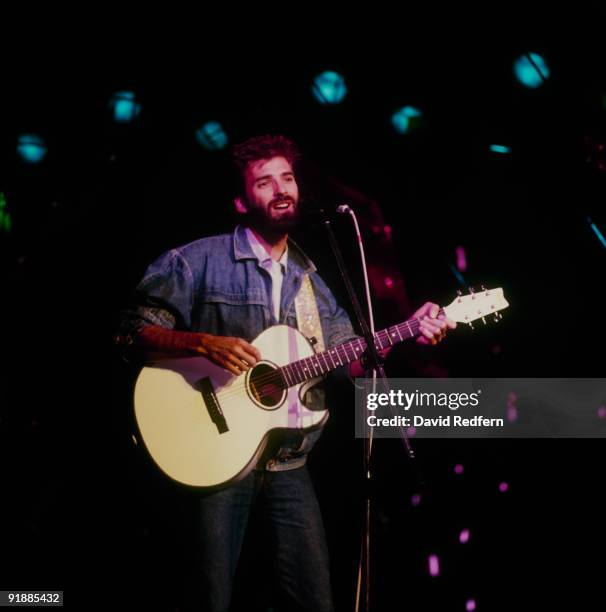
{"x": 597, "y": 232}
{"x": 406, "y": 119}
{"x": 415, "y": 500}
{"x": 6, "y": 223}
{"x": 124, "y": 106}
{"x": 531, "y": 70}
{"x": 464, "y": 536}
{"x": 512, "y": 410}
{"x": 461, "y": 259}
{"x": 434, "y": 565}
{"x": 458, "y": 469}
{"x": 329, "y": 88}
{"x": 503, "y": 487}
{"x": 212, "y": 136}
{"x": 31, "y": 148}
{"x": 460, "y": 278}
{"x": 470, "y": 606}
{"x": 501, "y": 149}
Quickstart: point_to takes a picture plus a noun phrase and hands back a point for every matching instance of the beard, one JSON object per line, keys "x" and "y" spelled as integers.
{"x": 272, "y": 220}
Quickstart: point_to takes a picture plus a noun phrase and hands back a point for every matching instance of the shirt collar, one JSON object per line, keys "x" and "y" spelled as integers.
{"x": 259, "y": 250}
{"x": 243, "y": 250}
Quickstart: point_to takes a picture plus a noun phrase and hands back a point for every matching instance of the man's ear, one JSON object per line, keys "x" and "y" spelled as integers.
{"x": 240, "y": 206}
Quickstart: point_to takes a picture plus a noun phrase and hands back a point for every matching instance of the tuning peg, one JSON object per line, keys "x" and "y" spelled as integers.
{"x": 484, "y": 320}
{"x": 459, "y": 293}
{"x": 471, "y": 291}
{"x": 470, "y": 325}
{"x": 497, "y": 317}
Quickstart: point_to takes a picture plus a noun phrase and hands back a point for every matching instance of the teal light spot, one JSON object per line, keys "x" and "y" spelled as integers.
{"x": 31, "y": 148}
{"x": 212, "y": 136}
{"x": 501, "y": 149}
{"x": 531, "y": 74}
{"x": 329, "y": 88}
{"x": 124, "y": 106}
{"x": 406, "y": 119}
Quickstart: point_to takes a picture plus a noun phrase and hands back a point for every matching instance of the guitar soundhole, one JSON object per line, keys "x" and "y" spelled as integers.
{"x": 266, "y": 385}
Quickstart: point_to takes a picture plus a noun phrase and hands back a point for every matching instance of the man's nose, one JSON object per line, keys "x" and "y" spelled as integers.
{"x": 280, "y": 188}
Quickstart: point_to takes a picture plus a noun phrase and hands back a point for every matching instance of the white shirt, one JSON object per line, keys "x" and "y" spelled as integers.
{"x": 276, "y": 269}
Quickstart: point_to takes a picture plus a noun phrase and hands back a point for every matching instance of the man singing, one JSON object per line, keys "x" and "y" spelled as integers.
{"x": 213, "y": 297}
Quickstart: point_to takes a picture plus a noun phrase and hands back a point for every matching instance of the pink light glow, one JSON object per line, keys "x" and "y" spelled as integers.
{"x": 512, "y": 410}
{"x": 388, "y": 282}
{"x": 464, "y": 536}
{"x": 459, "y": 469}
{"x": 461, "y": 259}
{"x": 503, "y": 487}
{"x": 470, "y": 606}
{"x": 415, "y": 500}
{"x": 411, "y": 431}
{"x": 434, "y": 565}
{"x": 602, "y": 412}
{"x": 387, "y": 230}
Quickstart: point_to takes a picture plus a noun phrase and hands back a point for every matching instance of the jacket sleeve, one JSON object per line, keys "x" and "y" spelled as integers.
{"x": 164, "y": 297}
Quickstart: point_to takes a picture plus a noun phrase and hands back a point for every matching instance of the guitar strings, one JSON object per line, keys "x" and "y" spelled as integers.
{"x": 278, "y": 378}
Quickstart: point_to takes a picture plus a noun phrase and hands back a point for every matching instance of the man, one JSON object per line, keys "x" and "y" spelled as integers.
{"x": 212, "y": 297}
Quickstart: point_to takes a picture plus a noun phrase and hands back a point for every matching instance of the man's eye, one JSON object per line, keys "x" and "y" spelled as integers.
{"x": 290, "y": 179}
{"x": 262, "y": 184}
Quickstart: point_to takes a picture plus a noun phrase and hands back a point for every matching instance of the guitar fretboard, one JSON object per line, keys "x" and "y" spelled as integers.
{"x": 343, "y": 354}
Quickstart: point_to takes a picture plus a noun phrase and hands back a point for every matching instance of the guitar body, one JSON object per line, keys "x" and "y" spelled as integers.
{"x": 205, "y": 427}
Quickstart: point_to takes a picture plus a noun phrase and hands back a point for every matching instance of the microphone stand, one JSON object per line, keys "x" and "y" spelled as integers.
{"x": 373, "y": 365}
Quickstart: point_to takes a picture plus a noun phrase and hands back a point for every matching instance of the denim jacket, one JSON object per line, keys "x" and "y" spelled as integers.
{"x": 215, "y": 285}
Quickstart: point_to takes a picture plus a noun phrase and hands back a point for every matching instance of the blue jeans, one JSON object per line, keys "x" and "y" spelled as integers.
{"x": 299, "y": 551}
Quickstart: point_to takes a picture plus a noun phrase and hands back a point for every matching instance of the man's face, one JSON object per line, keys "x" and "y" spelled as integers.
{"x": 272, "y": 195}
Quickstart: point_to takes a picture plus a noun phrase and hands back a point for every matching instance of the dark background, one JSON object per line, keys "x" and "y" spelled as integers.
{"x": 83, "y": 511}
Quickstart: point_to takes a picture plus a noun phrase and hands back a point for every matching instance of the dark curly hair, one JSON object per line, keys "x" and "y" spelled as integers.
{"x": 263, "y": 147}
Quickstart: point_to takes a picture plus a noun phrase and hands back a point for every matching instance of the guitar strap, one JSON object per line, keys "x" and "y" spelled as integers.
{"x": 308, "y": 317}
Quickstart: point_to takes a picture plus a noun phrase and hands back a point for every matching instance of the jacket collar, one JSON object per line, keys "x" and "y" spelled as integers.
{"x": 243, "y": 250}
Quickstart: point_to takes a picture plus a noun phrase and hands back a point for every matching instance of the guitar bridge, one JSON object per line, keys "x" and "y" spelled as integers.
{"x": 212, "y": 405}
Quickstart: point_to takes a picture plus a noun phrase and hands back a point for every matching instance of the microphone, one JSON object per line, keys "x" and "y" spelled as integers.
{"x": 343, "y": 208}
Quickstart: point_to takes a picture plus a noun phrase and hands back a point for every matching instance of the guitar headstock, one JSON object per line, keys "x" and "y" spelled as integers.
{"x": 477, "y": 305}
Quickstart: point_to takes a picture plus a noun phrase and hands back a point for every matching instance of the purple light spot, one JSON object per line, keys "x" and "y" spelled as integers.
{"x": 470, "y": 606}
{"x": 503, "y": 487}
{"x": 415, "y": 500}
{"x": 434, "y": 565}
{"x": 411, "y": 431}
{"x": 461, "y": 259}
{"x": 512, "y": 397}
{"x": 459, "y": 469}
{"x": 387, "y": 230}
{"x": 464, "y": 536}
{"x": 512, "y": 414}
{"x": 602, "y": 412}
{"x": 388, "y": 282}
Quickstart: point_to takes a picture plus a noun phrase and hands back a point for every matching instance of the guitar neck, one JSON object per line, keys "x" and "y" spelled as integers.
{"x": 343, "y": 354}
